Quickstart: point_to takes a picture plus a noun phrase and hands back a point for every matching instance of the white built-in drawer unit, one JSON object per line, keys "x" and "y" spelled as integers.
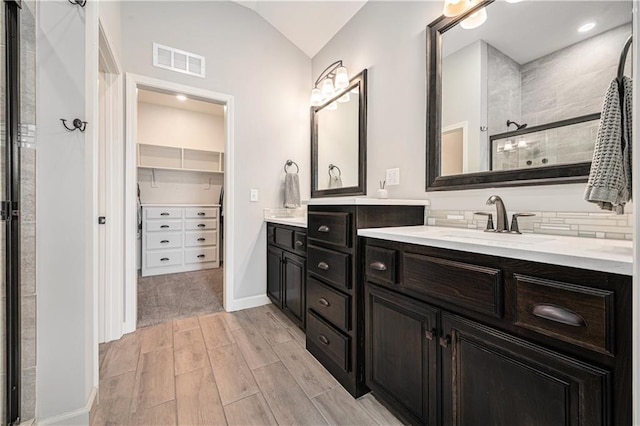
{"x": 179, "y": 239}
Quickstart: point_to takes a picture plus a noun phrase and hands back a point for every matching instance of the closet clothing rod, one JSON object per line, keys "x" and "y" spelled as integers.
{"x": 623, "y": 58}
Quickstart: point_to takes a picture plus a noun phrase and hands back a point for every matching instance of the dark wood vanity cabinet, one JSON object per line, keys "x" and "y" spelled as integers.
{"x": 538, "y": 345}
{"x": 334, "y": 297}
{"x": 286, "y": 270}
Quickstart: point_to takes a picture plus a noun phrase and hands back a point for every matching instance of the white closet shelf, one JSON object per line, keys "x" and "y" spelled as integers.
{"x": 179, "y": 158}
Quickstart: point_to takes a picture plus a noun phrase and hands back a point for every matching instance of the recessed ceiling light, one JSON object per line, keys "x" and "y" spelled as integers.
{"x": 586, "y": 27}
{"x": 181, "y": 97}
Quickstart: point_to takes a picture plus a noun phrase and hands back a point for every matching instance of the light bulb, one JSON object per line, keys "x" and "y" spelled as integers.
{"x": 327, "y": 89}
{"x": 332, "y": 106}
{"x": 475, "y": 20}
{"x": 181, "y": 97}
{"x": 316, "y": 97}
{"x": 342, "y": 78}
{"x": 522, "y": 143}
{"x": 344, "y": 98}
{"x": 586, "y": 27}
{"x": 454, "y": 7}
{"x": 508, "y": 146}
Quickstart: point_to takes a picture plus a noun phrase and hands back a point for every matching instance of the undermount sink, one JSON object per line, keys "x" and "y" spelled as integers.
{"x": 503, "y": 237}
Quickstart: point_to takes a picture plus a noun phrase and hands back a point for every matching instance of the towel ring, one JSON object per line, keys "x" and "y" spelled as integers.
{"x": 291, "y": 163}
{"x": 333, "y": 166}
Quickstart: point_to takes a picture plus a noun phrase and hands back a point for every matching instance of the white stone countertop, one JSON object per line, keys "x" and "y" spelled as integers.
{"x": 365, "y": 201}
{"x": 614, "y": 256}
{"x": 299, "y": 221}
{"x": 178, "y": 205}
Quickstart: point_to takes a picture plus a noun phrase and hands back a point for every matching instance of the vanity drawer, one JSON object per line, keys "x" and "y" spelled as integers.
{"x": 163, "y": 213}
{"x": 162, "y": 240}
{"x": 329, "y": 265}
{"x": 164, "y": 258}
{"x": 300, "y": 243}
{"x": 201, "y": 238}
{"x": 283, "y": 237}
{"x": 199, "y": 255}
{"x": 331, "y": 304}
{"x": 163, "y": 225}
{"x": 571, "y": 313}
{"x": 200, "y": 224}
{"x": 201, "y": 212}
{"x": 329, "y": 340}
{"x": 328, "y": 227}
{"x": 380, "y": 264}
{"x": 474, "y": 287}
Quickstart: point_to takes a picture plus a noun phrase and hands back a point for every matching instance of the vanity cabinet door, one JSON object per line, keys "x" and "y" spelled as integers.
{"x": 401, "y": 344}
{"x": 492, "y": 378}
{"x": 294, "y": 279}
{"x": 274, "y": 275}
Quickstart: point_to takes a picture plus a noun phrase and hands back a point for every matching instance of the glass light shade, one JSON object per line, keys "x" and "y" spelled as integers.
{"x": 454, "y": 7}
{"x": 342, "y": 78}
{"x": 344, "y": 98}
{"x": 355, "y": 90}
{"x": 522, "y": 143}
{"x": 475, "y": 20}
{"x": 327, "y": 89}
{"x": 332, "y": 106}
{"x": 508, "y": 146}
{"x": 316, "y": 97}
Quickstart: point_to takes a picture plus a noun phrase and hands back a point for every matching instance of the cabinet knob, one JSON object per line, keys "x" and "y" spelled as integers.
{"x": 164, "y": 259}
{"x": 201, "y": 239}
{"x": 201, "y": 213}
{"x": 201, "y": 225}
{"x": 164, "y": 241}
{"x": 324, "y": 266}
{"x": 324, "y": 302}
{"x": 430, "y": 334}
{"x": 445, "y": 341}
{"x": 323, "y": 339}
{"x": 201, "y": 256}
{"x": 164, "y": 226}
{"x": 323, "y": 228}
{"x": 378, "y": 266}
{"x": 164, "y": 214}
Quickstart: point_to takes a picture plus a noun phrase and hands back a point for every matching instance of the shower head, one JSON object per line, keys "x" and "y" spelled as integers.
{"x": 518, "y": 126}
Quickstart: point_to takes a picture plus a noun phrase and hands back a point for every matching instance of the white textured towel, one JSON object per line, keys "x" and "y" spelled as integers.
{"x": 610, "y": 176}
{"x": 291, "y": 191}
{"x": 335, "y": 181}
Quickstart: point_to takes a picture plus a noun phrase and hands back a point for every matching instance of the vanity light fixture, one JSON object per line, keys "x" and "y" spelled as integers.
{"x": 522, "y": 143}
{"x": 181, "y": 98}
{"x": 332, "y": 80}
{"x": 454, "y": 8}
{"x": 344, "y": 98}
{"x": 508, "y": 146}
{"x": 586, "y": 27}
{"x": 476, "y": 19}
{"x": 332, "y": 106}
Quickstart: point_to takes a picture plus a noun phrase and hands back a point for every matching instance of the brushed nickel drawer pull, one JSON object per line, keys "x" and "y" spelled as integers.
{"x": 164, "y": 241}
{"x": 201, "y": 256}
{"x": 201, "y": 239}
{"x": 164, "y": 214}
{"x": 323, "y": 228}
{"x": 324, "y": 266}
{"x": 558, "y": 314}
{"x": 378, "y": 266}
{"x": 201, "y": 225}
{"x": 323, "y": 339}
{"x": 324, "y": 302}
{"x": 299, "y": 243}
{"x": 164, "y": 226}
{"x": 164, "y": 259}
{"x": 201, "y": 213}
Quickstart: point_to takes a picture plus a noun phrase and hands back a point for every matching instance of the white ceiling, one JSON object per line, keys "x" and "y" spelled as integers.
{"x": 170, "y": 100}
{"x": 531, "y": 29}
{"x": 309, "y": 24}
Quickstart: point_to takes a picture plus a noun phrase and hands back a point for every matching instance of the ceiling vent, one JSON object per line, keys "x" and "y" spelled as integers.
{"x": 177, "y": 60}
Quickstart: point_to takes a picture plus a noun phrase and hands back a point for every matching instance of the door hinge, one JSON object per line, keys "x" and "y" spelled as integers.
{"x": 102, "y": 220}
{"x": 7, "y": 212}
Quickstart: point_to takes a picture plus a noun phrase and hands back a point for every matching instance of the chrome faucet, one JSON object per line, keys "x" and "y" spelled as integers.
{"x": 502, "y": 224}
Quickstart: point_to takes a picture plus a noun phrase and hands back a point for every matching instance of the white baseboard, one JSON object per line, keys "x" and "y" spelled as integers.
{"x": 77, "y": 417}
{"x": 249, "y": 302}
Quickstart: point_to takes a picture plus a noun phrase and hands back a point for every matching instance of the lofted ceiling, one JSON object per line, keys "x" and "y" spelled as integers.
{"x": 170, "y": 100}
{"x": 307, "y": 24}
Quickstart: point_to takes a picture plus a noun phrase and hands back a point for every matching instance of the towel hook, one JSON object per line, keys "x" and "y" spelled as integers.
{"x": 291, "y": 163}
{"x": 333, "y": 166}
{"x": 77, "y": 125}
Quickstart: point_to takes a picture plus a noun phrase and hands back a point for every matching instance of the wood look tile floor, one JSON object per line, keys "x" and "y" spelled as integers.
{"x": 243, "y": 368}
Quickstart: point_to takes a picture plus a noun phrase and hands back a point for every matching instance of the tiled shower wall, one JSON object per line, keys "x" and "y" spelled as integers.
{"x": 575, "y": 224}
{"x": 28, "y": 208}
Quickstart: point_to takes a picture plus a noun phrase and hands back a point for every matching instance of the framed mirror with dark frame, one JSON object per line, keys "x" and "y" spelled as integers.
{"x": 516, "y": 100}
{"x": 339, "y": 142}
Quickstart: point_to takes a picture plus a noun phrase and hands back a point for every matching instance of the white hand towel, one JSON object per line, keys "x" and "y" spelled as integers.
{"x": 291, "y": 191}
{"x": 610, "y": 176}
{"x": 335, "y": 182}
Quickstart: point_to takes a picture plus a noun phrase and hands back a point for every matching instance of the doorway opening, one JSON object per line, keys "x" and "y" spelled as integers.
{"x": 177, "y": 202}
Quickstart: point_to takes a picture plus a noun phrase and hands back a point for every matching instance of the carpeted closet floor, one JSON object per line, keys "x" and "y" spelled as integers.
{"x": 164, "y": 298}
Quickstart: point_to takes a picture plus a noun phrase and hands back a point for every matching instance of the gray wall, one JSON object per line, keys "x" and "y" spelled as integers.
{"x": 504, "y": 94}
{"x": 389, "y": 38}
{"x": 270, "y": 80}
